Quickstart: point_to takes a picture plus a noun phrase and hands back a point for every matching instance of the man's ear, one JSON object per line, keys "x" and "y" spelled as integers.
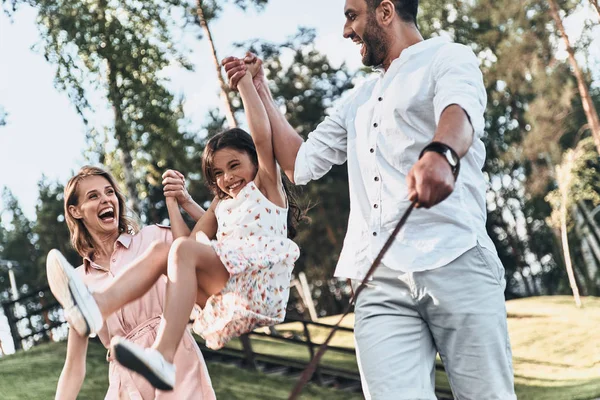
{"x": 74, "y": 211}
{"x": 387, "y": 12}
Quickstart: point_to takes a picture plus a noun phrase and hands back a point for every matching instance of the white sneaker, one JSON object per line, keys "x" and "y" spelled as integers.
{"x": 81, "y": 310}
{"x": 147, "y": 362}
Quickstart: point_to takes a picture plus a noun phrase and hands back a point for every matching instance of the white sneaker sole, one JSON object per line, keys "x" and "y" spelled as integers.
{"x": 70, "y": 291}
{"x": 134, "y": 358}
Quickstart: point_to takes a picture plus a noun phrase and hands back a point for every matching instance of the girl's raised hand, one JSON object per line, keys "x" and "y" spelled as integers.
{"x": 174, "y": 186}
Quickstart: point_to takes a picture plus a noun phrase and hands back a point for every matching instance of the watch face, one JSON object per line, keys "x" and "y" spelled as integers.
{"x": 451, "y": 160}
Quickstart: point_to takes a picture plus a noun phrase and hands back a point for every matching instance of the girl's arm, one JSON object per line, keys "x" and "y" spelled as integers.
{"x": 175, "y": 196}
{"x": 73, "y": 372}
{"x": 174, "y": 186}
{"x": 208, "y": 223}
{"x": 269, "y": 177}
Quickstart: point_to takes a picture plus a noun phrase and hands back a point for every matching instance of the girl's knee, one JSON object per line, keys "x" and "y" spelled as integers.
{"x": 180, "y": 246}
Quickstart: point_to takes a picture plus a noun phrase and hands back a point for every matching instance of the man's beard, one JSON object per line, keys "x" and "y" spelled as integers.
{"x": 375, "y": 42}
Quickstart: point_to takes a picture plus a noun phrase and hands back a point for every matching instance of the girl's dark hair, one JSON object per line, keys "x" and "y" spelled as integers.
{"x": 240, "y": 140}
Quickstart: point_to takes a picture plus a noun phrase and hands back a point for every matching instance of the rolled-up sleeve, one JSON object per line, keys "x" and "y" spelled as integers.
{"x": 326, "y": 146}
{"x": 458, "y": 80}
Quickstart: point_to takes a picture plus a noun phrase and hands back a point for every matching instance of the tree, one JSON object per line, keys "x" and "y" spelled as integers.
{"x": 577, "y": 181}
{"x": 119, "y": 49}
{"x": 17, "y": 242}
{"x": 207, "y": 10}
{"x": 596, "y": 6}
{"x": 50, "y": 229}
{"x": 586, "y": 100}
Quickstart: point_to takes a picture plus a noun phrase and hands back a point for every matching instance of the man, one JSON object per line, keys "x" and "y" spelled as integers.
{"x": 404, "y": 135}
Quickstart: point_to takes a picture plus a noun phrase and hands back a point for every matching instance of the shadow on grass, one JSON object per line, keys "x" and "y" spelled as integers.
{"x": 582, "y": 390}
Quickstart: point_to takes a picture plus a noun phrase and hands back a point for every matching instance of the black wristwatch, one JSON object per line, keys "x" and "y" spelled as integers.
{"x": 448, "y": 153}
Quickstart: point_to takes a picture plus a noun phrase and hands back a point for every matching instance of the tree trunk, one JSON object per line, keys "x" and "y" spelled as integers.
{"x": 224, "y": 88}
{"x": 115, "y": 99}
{"x": 563, "y": 231}
{"x": 124, "y": 144}
{"x": 588, "y": 106}
{"x": 596, "y": 6}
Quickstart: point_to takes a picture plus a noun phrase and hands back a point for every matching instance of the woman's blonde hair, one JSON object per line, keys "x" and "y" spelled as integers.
{"x": 80, "y": 237}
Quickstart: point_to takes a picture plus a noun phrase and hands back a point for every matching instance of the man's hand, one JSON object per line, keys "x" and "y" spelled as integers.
{"x": 236, "y": 68}
{"x": 430, "y": 180}
{"x": 174, "y": 187}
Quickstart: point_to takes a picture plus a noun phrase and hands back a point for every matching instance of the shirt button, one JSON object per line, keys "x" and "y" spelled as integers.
{"x": 374, "y": 233}
{"x": 375, "y": 125}
{"x": 380, "y": 99}
{"x": 114, "y": 260}
{"x": 372, "y": 150}
{"x": 376, "y": 179}
{"x": 375, "y": 205}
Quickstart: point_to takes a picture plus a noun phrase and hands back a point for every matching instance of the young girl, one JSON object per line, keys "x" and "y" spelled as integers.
{"x": 240, "y": 279}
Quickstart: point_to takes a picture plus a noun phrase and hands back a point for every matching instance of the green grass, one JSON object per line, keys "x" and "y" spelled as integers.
{"x": 33, "y": 375}
{"x": 556, "y": 351}
{"x": 556, "y": 347}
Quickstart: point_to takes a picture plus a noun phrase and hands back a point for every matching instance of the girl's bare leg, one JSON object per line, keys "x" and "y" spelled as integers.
{"x": 192, "y": 268}
{"x": 134, "y": 281}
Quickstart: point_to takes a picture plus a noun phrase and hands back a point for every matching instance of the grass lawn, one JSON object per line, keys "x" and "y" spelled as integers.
{"x": 556, "y": 347}
{"x": 34, "y": 374}
{"x": 556, "y": 350}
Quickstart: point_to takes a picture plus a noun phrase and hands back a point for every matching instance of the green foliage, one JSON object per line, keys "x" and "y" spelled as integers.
{"x": 17, "y": 243}
{"x": 578, "y": 179}
{"x": 120, "y": 49}
{"x": 50, "y": 228}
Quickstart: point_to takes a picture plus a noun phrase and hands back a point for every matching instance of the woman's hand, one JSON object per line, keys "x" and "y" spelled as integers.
{"x": 174, "y": 187}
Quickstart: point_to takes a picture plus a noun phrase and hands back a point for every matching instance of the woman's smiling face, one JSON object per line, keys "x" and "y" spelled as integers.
{"x": 98, "y": 206}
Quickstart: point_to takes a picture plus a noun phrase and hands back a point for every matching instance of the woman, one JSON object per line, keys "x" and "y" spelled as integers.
{"x": 108, "y": 240}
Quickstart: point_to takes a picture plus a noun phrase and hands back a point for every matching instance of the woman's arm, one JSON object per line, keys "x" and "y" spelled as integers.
{"x": 178, "y": 226}
{"x": 73, "y": 372}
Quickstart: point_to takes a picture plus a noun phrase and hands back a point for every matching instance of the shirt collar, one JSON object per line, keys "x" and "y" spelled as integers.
{"x": 124, "y": 239}
{"x": 416, "y": 48}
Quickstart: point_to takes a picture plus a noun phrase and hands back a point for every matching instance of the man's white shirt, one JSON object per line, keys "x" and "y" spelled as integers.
{"x": 379, "y": 129}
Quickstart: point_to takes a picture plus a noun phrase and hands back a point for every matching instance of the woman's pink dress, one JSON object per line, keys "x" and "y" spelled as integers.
{"x": 138, "y": 321}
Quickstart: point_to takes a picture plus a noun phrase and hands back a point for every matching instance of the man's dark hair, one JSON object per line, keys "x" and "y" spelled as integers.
{"x": 406, "y": 9}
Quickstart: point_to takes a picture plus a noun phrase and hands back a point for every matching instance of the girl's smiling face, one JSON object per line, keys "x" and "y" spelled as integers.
{"x": 233, "y": 169}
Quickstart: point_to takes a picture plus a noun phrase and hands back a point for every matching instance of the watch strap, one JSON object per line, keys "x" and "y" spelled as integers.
{"x": 444, "y": 149}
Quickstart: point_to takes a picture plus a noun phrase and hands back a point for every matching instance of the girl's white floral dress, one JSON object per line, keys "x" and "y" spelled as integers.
{"x": 252, "y": 243}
